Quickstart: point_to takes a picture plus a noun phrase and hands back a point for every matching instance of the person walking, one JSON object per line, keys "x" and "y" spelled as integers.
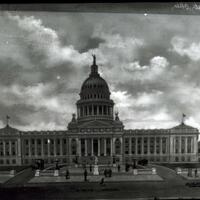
{"x": 85, "y": 175}
{"x": 102, "y": 181}
{"x": 195, "y": 172}
{"x": 118, "y": 167}
{"x": 90, "y": 168}
{"x": 67, "y": 174}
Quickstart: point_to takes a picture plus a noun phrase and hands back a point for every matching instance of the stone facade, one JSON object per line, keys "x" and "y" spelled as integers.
{"x": 97, "y": 131}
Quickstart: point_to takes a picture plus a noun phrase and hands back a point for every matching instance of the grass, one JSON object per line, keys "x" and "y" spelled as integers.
{"x": 17, "y": 168}
{"x": 181, "y": 165}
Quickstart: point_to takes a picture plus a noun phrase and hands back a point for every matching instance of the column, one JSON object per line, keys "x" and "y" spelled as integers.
{"x": 179, "y": 145}
{"x": 48, "y": 146}
{"x": 70, "y": 147}
{"x": 61, "y": 146}
{"x": 154, "y": 145}
{"x": 104, "y": 146}
{"x": 99, "y": 147}
{"x": 193, "y": 145}
{"x": 18, "y": 147}
{"x": 171, "y": 145}
{"x": 92, "y": 109}
{"x": 136, "y": 146}
{"x": 148, "y": 145}
{"x": 97, "y": 109}
{"x": 130, "y": 146}
{"x": 186, "y": 145}
{"x": 54, "y": 146}
{"x": 111, "y": 147}
{"x": 42, "y": 147}
{"x": 160, "y": 145}
{"x": 88, "y": 113}
{"x": 77, "y": 143}
{"x": 86, "y": 147}
{"x": 121, "y": 143}
{"x": 92, "y": 146}
{"x": 142, "y": 145}
{"x": 29, "y": 147}
{"x": 35, "y": 145}
{"x": 10, "y": 150}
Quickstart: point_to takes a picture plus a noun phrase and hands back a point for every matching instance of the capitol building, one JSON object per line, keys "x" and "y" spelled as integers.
{"x": 96, "y": 131}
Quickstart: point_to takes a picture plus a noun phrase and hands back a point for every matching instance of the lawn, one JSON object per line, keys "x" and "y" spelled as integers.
{"x": 181, "y": 165}
{"x": 17, "y": 168}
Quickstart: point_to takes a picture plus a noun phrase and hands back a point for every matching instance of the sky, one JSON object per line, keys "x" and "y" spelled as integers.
{"x": 150, "y": 62}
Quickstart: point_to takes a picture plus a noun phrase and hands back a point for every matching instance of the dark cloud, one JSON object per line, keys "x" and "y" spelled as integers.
{"x": 92, "y": 43}
{"x": 45, "y": 57}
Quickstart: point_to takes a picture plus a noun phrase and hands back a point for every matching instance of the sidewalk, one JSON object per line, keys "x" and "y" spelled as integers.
{"x": 4, "y": 178}
{"x": 93, "y": 178}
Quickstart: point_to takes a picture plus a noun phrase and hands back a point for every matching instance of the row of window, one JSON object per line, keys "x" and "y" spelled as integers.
{"x": 154, "y": 145}
{"x": 7, "y": 161}
{"x": 45, "y": 141}
{"x": 95, "y": 96}
{"x": 89, "y": 86}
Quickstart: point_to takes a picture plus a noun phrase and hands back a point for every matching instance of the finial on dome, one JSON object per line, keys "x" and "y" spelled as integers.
{"x": 94, "y": 67}
{"x": 7, "y": 120}
{"x": 94, "y": 59}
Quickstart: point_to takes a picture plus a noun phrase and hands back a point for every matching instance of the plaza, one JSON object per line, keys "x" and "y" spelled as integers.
{"x": 165, "y": 185}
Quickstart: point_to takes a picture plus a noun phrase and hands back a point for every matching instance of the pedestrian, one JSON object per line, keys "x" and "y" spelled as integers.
{"x": 110, "y": 172}
{"x": 196, "y": 172}
{"x": 90, "y": 168}
{"x": 118, "y": 167}
{"x": 102, "y": 181}
{"x": 105, "y": 172}
{"x": 85, "y": 175}
{"x": 67, "y": 174}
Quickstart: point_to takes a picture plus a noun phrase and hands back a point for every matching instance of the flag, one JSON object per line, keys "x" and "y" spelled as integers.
{"x": 183, "y": 117}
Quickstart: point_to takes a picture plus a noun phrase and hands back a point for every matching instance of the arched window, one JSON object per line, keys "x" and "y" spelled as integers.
{"x": 117, "y": 146}
{"x": 73, "y": 146}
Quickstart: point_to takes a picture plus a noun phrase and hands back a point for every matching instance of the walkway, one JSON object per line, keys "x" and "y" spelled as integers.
{"x": 21, "y": 178}
{"x": 168, "y": 174}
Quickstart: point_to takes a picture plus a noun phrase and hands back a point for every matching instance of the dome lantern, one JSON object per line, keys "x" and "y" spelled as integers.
{"x": 94, "y": 67}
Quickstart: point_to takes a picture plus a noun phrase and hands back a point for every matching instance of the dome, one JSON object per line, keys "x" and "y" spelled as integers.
{"x": 94, "y": 87}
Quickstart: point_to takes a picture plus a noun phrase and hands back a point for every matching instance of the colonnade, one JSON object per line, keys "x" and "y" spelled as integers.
{"x": 90, "y": 110}
{"x": 184, "y": 144}
{"x": 105, "y": 146}
{"x": 47, "y": 147}
{"x": 147, "y": 145}
{"x": 9, "y": 148}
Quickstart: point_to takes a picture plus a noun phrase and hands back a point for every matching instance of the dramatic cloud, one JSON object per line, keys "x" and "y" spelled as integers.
{"x": 151, "y": 64}
{"x": 186, "y": 48}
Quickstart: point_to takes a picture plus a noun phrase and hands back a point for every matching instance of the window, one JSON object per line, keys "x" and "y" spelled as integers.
{"x": 152, "y": 141}
{"x": 117, "y": 146}
{"x": 133, "y": 145}
{"x": 145, "y": 145}
{"x": 73, "y": 147}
